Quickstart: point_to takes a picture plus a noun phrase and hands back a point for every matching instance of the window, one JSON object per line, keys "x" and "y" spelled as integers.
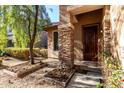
{"x": 55, "y": 42}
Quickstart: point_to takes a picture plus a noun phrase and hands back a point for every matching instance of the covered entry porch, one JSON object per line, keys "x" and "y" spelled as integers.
{"x": 77, "y": 37}
{"x": 80, "y": 34}
{"x": 76, "y": 40}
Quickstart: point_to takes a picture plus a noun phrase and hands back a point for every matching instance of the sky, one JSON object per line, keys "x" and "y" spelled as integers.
{"x": 53, "y": 11}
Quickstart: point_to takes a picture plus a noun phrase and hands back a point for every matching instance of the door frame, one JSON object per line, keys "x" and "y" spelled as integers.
{"x": 98, "y": 30}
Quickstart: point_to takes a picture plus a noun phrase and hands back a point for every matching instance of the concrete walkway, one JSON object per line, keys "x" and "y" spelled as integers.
{"x": 89, "y": 80}
{"x": 12, "y": 62}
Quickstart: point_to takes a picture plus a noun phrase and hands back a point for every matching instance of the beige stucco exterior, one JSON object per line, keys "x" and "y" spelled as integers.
{"x": 51, "y": 52}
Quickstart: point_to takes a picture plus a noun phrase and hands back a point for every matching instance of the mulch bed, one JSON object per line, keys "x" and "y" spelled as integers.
{"x": 23, "y": 69}
{"x": 61, "y": 76}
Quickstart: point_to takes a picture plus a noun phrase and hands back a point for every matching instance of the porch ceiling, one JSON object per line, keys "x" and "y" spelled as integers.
{"x": 78, "y": 9}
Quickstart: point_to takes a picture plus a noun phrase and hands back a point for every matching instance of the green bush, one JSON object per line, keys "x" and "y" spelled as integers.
{"x": 114, "y": 81}
{"x": 2, "y": 53}
{"x": 99, "y": 85}
{"x": 23, "y": 53}
{"x": 113, "y": 71}
{"x": 40, "y": 52}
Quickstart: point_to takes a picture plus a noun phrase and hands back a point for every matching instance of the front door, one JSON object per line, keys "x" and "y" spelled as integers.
{"x": 90, "y": 41}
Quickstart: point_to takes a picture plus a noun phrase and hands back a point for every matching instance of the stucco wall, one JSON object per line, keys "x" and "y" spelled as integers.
{"x": 51, "y": 52}
{"x": 84, "y": 19}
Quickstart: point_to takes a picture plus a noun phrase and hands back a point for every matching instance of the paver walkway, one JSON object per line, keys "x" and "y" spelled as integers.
{"x": 89, "y": 80}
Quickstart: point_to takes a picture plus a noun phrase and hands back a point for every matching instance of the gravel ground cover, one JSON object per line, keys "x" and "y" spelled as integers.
{"x": 33, "y": 80}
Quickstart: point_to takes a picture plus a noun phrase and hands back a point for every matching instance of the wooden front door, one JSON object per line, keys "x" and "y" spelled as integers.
{"x": 90, "y": 41}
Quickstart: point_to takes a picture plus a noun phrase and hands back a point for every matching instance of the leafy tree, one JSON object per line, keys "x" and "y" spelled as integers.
{"x": 25, "y": 22}
{"x": 3, "y": 26}
{"x": 16, "y": 19}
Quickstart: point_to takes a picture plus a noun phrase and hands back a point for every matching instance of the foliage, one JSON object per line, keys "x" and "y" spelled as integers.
{"x": 114, "y": 81}
{"x": 16, "y": 18}
{"x": 20, "y": 53}
{"x": 2, "y": 53}
{"x": 24, "y": 22}
{"x": 3, "y": 38}
{"x": 113, "y": 70}
{"x": 40, "y": 52}
{"x": 99, "y": 85}
{"x": 3, "y": 26}
{"x": 112, "y": 63}
{"x": 23, "y": 53}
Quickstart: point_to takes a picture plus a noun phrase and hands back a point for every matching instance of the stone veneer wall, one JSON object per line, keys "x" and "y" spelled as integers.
{"x": 117, "y": 23}
{"x": 66, "y": 38}
{"x": 113, "y": 22}
{"x": 107, "y": 29}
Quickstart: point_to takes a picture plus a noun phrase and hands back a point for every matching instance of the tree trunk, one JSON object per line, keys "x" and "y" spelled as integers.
{"x": 31, "y": 53}
{"x": 32, "y": 38}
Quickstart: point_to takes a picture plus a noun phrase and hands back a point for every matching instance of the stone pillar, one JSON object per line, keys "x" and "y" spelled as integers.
{"x": 107, "y": 29}
{"x": 107, "y": 39}
{"x": 66, "y": 39}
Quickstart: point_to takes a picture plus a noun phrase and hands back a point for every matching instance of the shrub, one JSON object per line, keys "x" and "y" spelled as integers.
{"x": 2, "y": 53}
{"x": 99, "y": 85}
{"x": 40, "y": 52}
{"x": 113, "y": 71}
{"x": 114, "y": 81}
{"x": 23, "y": 53}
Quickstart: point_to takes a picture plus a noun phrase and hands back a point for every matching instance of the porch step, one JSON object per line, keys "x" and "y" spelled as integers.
{"x": 80, "y": 68}
{"x": 92, "y": 66}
